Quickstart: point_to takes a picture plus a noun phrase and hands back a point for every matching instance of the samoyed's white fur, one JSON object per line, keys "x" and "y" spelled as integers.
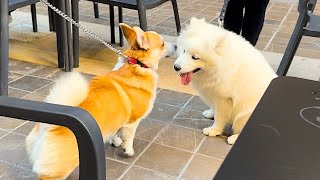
{"x": 232, "y": 78}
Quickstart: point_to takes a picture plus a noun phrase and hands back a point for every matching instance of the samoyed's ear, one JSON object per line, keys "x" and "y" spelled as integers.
{"x": 195, "y": 21}
{"x": 220, "y": 44}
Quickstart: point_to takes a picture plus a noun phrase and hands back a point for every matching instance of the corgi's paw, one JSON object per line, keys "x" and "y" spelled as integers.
{"x": 115, "y": 141}
{"x": 211, "y": 131}
{"x": 208, "y": 114}
{"x": 232, "y": 139}
{"x": 129, "y": 151}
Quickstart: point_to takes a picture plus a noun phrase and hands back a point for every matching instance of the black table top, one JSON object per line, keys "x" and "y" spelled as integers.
{"x": 281, "y": 141}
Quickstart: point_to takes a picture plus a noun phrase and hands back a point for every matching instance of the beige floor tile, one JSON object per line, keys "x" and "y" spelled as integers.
{"x": 8, "y": 124}
{"x": 163, "y": 112}
{"x": 179, "y": 137}
{"x": 202, "y": 168}
{"x": 148, "y": 129}
{"x": 164, "y": 159}
{"x": 136, "y": 173}
{"x": 216, "y": 147}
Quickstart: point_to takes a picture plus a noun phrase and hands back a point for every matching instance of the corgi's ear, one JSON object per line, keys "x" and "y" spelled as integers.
{"x": 128, "y": 33}
{"x": 142, "y": 39}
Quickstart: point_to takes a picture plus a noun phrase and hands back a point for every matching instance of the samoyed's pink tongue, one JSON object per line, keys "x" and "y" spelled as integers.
{"x": 186, "y": 78}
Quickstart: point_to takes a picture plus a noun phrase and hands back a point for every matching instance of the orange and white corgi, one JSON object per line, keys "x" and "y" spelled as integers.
{"x": 118, "y": 101}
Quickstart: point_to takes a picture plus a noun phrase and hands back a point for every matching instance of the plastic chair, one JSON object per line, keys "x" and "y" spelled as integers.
{"x": 80, "y": 122}
{"x": 141, "y": 6}
{"x": 307, "y": 25}
{"x": 15, "y": 4}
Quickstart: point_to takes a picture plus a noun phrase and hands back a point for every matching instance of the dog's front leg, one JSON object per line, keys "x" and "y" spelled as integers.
{"x": 208, "y": 113}
{"x": 222, "y": 116}
{"x": 115, "y": 140}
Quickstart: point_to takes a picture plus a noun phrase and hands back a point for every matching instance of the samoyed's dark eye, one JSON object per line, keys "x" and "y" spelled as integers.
{"x": 195, "y": 58}
{"x": 184, "y": 51}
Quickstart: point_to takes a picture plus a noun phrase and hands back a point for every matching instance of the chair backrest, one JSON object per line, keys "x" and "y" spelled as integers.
{"x": 15, "y": 4}
{"x": 308, "y": 4}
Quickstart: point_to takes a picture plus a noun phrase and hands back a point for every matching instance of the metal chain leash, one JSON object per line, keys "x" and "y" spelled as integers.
{"x": 223, "y": 13}
{"x": 66, "y": 17}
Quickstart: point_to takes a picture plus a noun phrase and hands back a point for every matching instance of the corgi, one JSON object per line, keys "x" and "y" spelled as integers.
{"x": 117, "y": 100}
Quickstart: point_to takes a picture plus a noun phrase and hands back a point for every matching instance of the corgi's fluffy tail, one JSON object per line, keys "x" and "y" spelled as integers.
{"x": 70, "y": 90}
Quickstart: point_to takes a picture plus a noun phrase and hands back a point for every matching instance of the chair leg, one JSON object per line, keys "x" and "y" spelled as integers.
{"x": 51, "y": 18}
{"x": 75, "y": 32}
{"x": 292, "y": 45}
{"x": 142, "y": 12}
{"x": 4, "y": 48}
{"x": 111, "y": 10}
{"x": 120, "y": 21}
{"x": 176, "y": 16}
{"x": 69, "y": 60}
{"x": 60, "y": 25}
{"x": 96, "y": 9}
{"x": 34, "y": 18}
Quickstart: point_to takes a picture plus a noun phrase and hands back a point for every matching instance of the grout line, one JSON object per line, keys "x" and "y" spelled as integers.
{"x": 39, "y": 77}
{"x": 158, "y": 91}
{"x": 191, "y": 158}
{"x": 184, "y": 150}
{"x": 164, "y": 123}
{"x": 15, "y": 79}
{"x": 34, "y": 92}
{"x": 20, "y": 89}
{"x": 278, "y": 29}
{"x": 25, "y": 169}
{"x": 152, "y": 141}
{"x": 154, "y": 171}
{"x": 14, "y": 129}
{"x": 10, "y": 72}
{"x": 211, "y": 157}
{"x": 162, "y": 103}
{"x": 269, "y": 7}
{"x": 111, "y": 159}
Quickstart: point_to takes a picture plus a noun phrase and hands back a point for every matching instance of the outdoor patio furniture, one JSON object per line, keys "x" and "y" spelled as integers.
{"x": 15, "y": 4}
{"x": 4, "y": 47}
{"x": 281, "y": 139}
{"x": 307, "y": 25}
{"x": 141, "y": 6}
{"x": 80, "y": 122}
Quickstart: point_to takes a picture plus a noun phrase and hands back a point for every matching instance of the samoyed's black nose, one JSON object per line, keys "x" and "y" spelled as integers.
{"x": 177, "y": 67}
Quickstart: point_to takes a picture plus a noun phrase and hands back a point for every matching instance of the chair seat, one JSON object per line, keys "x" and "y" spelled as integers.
{"x": 15, "y": 4}
{"x": 313, "y": 27}
{"x": 131, "y": 4}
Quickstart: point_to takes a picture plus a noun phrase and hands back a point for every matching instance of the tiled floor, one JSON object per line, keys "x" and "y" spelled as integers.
{"x": 168, "y": 144}
{"x": 280, "y": 19}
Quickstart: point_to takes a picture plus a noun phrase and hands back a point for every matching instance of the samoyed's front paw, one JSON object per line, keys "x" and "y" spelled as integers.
{"x": 211, "y": 131}
{"x": 232, "y": 139}
{"x": 128, "y": 150}
{"x": 208, "y": 114}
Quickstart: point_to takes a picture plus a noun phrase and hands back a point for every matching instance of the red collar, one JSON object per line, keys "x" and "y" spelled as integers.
{"x": 136, "y": 61}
